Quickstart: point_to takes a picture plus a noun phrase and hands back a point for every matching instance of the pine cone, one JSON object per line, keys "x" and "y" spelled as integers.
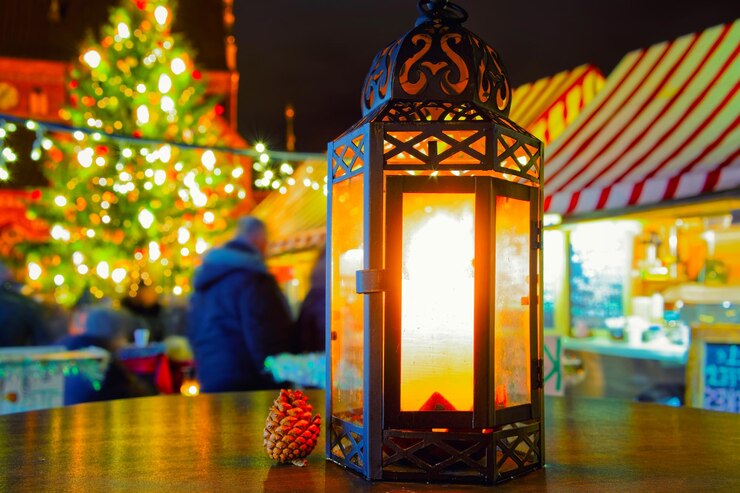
{"x": 291, "y": 431}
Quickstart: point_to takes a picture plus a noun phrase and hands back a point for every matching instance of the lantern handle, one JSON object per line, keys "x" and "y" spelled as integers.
{"x": 442, "y": 9}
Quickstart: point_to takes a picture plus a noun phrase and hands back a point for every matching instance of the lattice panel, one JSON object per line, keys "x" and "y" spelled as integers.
{"x": 443, "y": 456}
{"x": 347, "y": 444}
{"x": 432, "y": 147}
{"x": 517, "y": 156}
{"x": 481, "y": 456}
{"x": 347, "y": 158}
{"x": 418, "y": 111}
{"x": 518, "y": 450}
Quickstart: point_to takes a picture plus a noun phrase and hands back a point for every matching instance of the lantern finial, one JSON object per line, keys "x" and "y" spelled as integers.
{"x": 441, "y": 9}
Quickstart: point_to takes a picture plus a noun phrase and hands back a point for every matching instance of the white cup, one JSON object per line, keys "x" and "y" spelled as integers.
{"x": 141, "y": 337}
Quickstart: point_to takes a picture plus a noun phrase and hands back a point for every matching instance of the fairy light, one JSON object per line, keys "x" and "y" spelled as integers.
{"x": 177, "y": 66}
{"x": 165, "y": 83}
{"x": 123, "y": 30}
{"x": 9, "y": 155}
{"x": 142, "y": 115}
{"x": 154, "y": 251}
{"x": 183, "y": 235}
{"x": 92, "y": 58}
{"x": 160, "y": 15}
{"x": 118, "y": 275}
{"x": 208, "y": 159}
{"x": 167, "y": 104}
{"x": 34, "y": 271}
{"x": 146, "y": 218}
{"x": 103, "y": 270}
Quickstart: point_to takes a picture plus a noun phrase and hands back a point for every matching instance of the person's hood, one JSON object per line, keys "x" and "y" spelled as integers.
{"x": 218, "y": 263}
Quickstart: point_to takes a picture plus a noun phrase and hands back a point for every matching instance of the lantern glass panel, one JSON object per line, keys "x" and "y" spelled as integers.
{"x": 437, "y": 301}
{"x": 512, "y": 306}
{"x": 347, "y": 306}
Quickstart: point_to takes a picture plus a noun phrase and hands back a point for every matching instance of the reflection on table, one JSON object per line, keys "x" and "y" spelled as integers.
{"x": 214, "y": 443}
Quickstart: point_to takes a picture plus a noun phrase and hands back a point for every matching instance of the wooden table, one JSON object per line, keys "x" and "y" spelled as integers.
{"x": 214, "y": 443}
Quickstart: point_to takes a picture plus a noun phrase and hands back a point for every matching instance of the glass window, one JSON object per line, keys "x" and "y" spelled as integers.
{"x": 347, "y": 306}
{"x": 512, "y": 306}
{"x": 437, "y": 301}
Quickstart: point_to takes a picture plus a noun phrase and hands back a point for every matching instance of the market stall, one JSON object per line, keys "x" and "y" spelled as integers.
{"x": 642, "y": 208}
{"x": 33, "y": 378}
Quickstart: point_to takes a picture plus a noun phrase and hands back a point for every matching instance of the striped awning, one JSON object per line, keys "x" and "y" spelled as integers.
{"x": 547, "y": 106}
{"x": 663, "y": 128}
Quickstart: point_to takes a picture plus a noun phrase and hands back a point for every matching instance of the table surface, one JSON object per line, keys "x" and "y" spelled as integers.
{"x": 214, "y": 443}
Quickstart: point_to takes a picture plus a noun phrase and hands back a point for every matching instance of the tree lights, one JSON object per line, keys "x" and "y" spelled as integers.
{"x": 121, "y": 202}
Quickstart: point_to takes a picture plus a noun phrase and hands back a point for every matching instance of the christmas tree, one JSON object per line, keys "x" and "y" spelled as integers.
{"x": 128, "y": 211}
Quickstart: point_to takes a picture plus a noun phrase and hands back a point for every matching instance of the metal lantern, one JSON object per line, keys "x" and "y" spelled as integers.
{"x": 434, "y": 246}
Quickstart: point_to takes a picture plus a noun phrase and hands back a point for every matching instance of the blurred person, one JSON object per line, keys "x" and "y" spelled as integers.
{"x": 311, "y": 323}
{"x": 146, "y": 311}
{"x": 103, "y": 327}
{"x": 238, "y": 315}
{"x": 21, "y": 318}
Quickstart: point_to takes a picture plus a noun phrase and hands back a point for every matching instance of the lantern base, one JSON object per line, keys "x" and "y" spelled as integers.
{"x": 466, "y": 456}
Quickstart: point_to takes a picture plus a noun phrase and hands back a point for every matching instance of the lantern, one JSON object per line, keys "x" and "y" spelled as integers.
{"x": 434, "y": 246}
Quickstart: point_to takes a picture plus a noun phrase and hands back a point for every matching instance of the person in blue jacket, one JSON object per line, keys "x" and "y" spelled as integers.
{"x": 21, "y": 321}
{"x": 238, "y": 315}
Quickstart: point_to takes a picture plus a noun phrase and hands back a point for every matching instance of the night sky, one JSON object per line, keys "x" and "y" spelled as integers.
{"x": 315, "y": 53}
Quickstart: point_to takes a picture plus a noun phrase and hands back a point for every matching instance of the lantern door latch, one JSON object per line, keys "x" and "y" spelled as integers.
{"x": 370, "y": 281}
{"x": 536, "y": 235}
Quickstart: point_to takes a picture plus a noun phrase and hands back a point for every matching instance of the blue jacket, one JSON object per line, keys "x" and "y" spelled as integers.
{"x": 238, "y": 317}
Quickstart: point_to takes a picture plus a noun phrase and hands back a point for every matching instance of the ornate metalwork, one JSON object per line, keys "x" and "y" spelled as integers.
{"x": 347, "y": 155}
{"x": 482, "y": 456}
{"x": 375, "y": 90}
{"x": 472, "y": 147}
{"x": 438, "y": 60}
{"x": 347, "y": 444}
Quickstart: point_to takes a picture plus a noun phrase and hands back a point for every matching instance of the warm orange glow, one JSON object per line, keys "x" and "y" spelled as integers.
{"x": 501, "y": 396}
{"x": 461, "y": 140}
{"x": 437, "y": 301}
{"x": 512, "y": 323}
{"x": 347, "y": 306}
{"x": 190, "y": 388}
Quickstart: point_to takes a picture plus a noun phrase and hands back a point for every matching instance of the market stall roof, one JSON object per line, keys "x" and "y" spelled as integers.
{"x": 547, "y": 106}
{"x": 663, "y": 128}
{"x": 296, "y": 216}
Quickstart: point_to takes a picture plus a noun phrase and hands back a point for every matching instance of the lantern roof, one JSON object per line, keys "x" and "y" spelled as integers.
{"x": 438, "y": 61}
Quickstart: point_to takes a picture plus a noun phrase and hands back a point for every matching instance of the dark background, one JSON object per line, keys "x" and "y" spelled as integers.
{"x": 315, "y": 53}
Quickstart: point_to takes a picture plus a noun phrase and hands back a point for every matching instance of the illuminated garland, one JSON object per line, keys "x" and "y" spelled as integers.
{"x": 10, "y": 123}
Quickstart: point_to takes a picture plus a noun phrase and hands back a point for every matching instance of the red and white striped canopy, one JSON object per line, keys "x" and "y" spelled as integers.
{"x": 664, "y": 127}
